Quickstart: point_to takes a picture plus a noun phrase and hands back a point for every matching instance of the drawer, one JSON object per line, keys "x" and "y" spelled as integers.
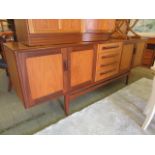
{"x": 100, "y": 75}
{"x": 108, "y": 60}
{"x": 106, "y": 71}
{"x": 147, "y": 61}
{"x": 107, "y": 67}
{"x": 110, "y": 47}
{"x": 148, "y": 53}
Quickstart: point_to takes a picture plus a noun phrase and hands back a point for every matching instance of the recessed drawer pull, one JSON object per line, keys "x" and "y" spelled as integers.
{"x": 109, "y": 56}
{"x": 110, "y": 47}
{"x": 112, "y": 70}
{"x": 112, "y": 63}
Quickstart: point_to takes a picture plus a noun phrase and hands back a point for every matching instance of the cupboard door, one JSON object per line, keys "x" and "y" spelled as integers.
{"x": 140, "y": 46}
{"x": 70, "y": 25}
{"x": 45, "y": 75}
{"x": 99, "y": 25}
{"x": 81, "y": 62}
{"x": 43, "y": 25}
{"x": 126, "y": 58}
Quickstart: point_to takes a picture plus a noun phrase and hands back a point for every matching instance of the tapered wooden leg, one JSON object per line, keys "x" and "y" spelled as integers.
{"x": 10, "y": 84}
{"x": 66, "y": 104}
{"x": 9, "y": 81}
{"x": 127, "y": 80}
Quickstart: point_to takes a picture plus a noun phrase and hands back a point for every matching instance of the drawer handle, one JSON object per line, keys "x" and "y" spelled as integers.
{"x": 112, "y": 63}
{"x": 109, "y": 56}
{"x": 109, "y": 71}
{"x": 110, "y": 47}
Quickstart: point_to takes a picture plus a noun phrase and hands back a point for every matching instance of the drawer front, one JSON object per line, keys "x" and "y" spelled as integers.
{"x": 148, "y": 54}
{"x": 106, "y": 74}
{"x": 105, "y": 68}
{"x": 108, "y": 60}
{"x": 147, "y": 61}
{"x": 109, "y": 48}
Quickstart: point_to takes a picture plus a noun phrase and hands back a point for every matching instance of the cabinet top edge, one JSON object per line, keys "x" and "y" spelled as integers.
{"x": 20, "y": 47}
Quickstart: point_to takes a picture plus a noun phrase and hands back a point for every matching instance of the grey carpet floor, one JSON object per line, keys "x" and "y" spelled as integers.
{"x": 119, "y": 113}
{"x": 14, "y": 119}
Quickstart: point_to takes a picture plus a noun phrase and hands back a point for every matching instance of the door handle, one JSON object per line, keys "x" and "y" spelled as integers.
{"x": 65, "y": 65}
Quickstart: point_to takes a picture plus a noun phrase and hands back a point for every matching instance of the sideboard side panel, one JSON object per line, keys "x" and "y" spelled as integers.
{"x": 13, "y": 71}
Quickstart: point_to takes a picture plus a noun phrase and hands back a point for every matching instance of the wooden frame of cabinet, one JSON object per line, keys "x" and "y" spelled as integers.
{"x": 17, "y": 54}
{"x": 21, "y": 73}
{"x": 28, "y": 36}
{"x": 67, "y": 46}
{"x": 60, "y": 31}
{"x": 74, "y": 94}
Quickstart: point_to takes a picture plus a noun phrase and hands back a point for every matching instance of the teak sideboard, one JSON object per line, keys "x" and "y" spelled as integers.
{"x": 67, "y": 57}
{"x": 41, "y": 73}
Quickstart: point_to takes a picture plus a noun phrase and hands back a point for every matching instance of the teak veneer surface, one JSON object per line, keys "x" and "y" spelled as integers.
{"x": 127, "y": 55}
{"x": 108, "y": 60}
{"x": 45, "y": 72}
{"x": 34, "y": 32}
{"x": 81, "y": 66}
{"x": 19, "y": 47}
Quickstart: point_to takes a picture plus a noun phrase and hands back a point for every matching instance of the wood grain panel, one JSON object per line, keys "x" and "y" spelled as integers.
{"x": 99, "y": 25}
{"x": 91, "y": 25}
{"x": 140, "y": 46}
{"x": 45, "y": 75}
{"x": 36, "y": 32}
{"x": 70, "y": 25}
{"x": 13, "y": 71}
{"x": 148, "y": 53}
{"x": 107, "y": 67}
{"x": 148, "y": 57}
{"x": 103, "y": 75}
{"x": 106, "y": 61}
{"x": 109, "y": 47}
{"x": 107, "y": 25}
{"x": 43, "y": 25}
{"x": 22, "y": 30}
{"x": 126, "y": 57}
{"x": 81, "y": 67}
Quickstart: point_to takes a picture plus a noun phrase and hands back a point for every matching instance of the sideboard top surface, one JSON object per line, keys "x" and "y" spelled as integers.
{"x": 20, "y": 47}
